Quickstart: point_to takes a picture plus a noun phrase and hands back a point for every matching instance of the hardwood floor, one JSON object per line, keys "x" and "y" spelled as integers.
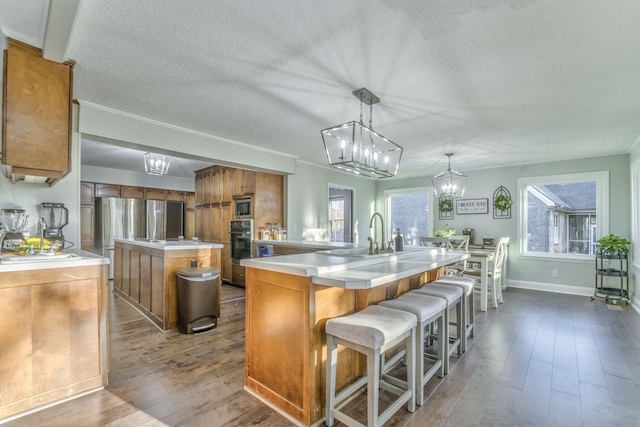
{"x": 541, "y": 359}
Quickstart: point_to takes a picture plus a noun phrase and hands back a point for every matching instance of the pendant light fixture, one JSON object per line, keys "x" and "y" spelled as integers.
{"x": 356, "y": 148}
{"x": 156, "y": 164}
{"x": 449, "y": 183}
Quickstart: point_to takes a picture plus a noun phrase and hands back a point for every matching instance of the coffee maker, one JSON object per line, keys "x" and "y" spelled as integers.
{"x": 55, "y": 217}
{"x": 14, "y": 222}
{"x": 469, "y": 232}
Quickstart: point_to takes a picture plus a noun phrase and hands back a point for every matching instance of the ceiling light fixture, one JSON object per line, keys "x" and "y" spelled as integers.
{"x": 156, "y": 164}
{"x": 356, "y": 148}
{"x": 449, "y": 183}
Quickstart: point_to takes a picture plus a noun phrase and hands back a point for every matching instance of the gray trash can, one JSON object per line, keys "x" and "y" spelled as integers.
{"x": 197, "y": 299}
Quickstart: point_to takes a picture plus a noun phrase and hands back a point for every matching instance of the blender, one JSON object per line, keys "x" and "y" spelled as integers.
{"x": 14, "y": 221}
{"x": 55, "y": 217}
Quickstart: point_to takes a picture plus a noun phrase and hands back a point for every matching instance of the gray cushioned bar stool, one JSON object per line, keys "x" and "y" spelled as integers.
{"x": 371, "y": 331}
{"x": 466, "y": 284}
{"x": 453, "y": 296}
{"x": 428, "y": 310}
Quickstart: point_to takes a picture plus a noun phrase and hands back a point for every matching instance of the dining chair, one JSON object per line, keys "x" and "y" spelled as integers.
{"x": 457, "y": 243}
{"x": 495, "y": 273}
{"x": 435, "y": 241}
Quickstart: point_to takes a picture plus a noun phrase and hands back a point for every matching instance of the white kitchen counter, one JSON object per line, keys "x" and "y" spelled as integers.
{"x": 357, "y": 272}
{"x": 77, "y": 258}
{"x": 172, "y": 245}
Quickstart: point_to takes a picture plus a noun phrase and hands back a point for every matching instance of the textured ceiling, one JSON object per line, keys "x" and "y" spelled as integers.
{"x": 496, "y": 82}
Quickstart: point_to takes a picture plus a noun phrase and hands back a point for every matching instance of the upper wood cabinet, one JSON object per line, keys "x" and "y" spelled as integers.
{"x": 244, "y": 182}
{"x": 107, "y": 190}
{"x": 226, "y": 184}
{"x": 86, "y": 193}
{"x": 268, "y": 200}
{"x": 129, "y": 192}
{"x": 175, "y": 196}
{"x": 154, "y": 194}
{"x": 36, "y": 111}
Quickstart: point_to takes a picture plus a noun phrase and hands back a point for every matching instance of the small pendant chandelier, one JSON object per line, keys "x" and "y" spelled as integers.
{"x": 449, "y": 183}
{"x": 156, "y": 164}
{"x": 356, "y": 148}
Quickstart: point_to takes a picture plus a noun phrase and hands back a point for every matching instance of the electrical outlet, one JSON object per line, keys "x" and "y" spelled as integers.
{"x": 555, "y": 273}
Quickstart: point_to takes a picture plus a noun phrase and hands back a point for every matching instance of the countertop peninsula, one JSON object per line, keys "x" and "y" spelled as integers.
{"x": 288, "y": 301}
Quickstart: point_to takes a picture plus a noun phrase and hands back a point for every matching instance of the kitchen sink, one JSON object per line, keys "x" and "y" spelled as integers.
{"x": 37, "y": 258}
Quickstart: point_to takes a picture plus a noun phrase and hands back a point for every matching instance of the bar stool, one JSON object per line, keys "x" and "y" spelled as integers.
{"x": 371, "y": 331}
{"x": 453, "y": 296}
{"x": 428, "y": 310}
{"x": 466, "y": 284}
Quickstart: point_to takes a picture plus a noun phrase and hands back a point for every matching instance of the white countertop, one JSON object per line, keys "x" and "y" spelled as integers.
{"x": 306, "y": 244}
{"x": 172, "y": 245}
{"x": 76, "y": 258}
{"x": 357, "y": 272}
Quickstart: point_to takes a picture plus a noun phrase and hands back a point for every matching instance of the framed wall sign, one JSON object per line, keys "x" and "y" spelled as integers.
{"x": 472, "y": 206}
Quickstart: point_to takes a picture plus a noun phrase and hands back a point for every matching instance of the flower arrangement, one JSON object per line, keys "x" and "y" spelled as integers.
{"x": 502, "y": 202}
{"x": 444, "y": 231}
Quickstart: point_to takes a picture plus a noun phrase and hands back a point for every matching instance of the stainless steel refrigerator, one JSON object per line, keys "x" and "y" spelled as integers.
{"x": 117, "y": 219}
{"x": 164, "y": 220}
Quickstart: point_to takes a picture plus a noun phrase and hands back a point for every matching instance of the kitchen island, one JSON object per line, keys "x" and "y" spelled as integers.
{"x": 290, "y": 298}
{"x": 144, "y": 274}
{"x": 53, "y": 329}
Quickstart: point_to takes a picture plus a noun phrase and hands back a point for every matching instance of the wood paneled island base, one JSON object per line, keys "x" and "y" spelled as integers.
{"x": 145, "y": 275}
{"x": 285, "y": 347}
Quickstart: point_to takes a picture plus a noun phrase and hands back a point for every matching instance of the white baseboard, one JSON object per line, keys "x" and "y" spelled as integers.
{"x": 563, "y": 289}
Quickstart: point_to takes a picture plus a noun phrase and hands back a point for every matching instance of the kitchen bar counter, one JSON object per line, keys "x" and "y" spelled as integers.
{"x": 290, "y": 298}
{"x": 144, "y": 274}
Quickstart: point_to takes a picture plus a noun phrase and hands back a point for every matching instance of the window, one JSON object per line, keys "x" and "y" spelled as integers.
{"x": 562, "y": 215}
{"x": 408, "y": 210}
{"x": 340, "y": 214}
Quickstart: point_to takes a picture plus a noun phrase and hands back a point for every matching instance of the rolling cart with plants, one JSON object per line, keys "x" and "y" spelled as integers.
{"x": 612, "y": 269}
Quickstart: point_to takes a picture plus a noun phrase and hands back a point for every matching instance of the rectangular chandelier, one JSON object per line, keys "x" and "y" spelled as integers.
{"x": 355, "y": 148}
{"x": 156, "y": 164}
{"x": 359, "y": 149}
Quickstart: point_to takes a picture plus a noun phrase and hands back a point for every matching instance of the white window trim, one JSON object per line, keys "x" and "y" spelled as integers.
{"x": 602, "y": 208}
{"x": 635, "y": 210}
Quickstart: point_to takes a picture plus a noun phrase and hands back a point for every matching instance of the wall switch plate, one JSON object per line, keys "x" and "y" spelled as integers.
{"x": 555, "y": 273}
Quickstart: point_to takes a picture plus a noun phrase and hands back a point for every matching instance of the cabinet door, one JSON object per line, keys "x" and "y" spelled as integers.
{"x": 226, "y": 263}
{"x": 128, "y": 192}
{"x": 37, "y": 113}
{"x": 175, "y": 196}
{"x": 226, "y": 185}
{"x": 206, "y": 187}
{"x": 154, "y": 194}
{"x": 86, "y": 227}
{"x": 199, "y": 193}
{"x": 226, "y": 217}
{"x": 207, "y": 220}
{"x": 189, "y": 223}
{"x": 199, "y": 211}
{"x": 216, "y": 185}
{"x": 237, "y": 178}
{"x": 190, "y": 201}
{"x": 107, "y": 190}
{"x": 86, "y": 193}
{"x": 249, "y": 182}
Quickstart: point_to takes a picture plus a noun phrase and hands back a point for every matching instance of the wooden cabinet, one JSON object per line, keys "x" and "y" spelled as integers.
{"x": 268, "y": 200}
{"x": 107, "y": 190}
{"x": 189, "y": 216}
{"x": 128, "y": 192}
{"x": 226, "y": 271}
{"x": 53, "y": 330}
{"x": 154, "y": 194}
{"x": 199, "y": 192}
{"x": 243, "y": 182}
{"x": 36, "y": 125}
{"x": 86, "y": 193}
{"x": 226, "y": 185}
{"x": 86, "y": 227}
{"x": 175, "y": 196}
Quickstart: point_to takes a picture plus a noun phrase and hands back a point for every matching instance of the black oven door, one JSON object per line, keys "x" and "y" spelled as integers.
{"x": 241, "y": 246}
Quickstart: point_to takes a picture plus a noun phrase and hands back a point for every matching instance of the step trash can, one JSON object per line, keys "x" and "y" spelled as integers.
{"x": 197, "y": 299}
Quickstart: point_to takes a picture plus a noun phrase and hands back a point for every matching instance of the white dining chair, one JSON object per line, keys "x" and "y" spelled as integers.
{"x": 457, "y": 243}
{"x": 495, "y": 273}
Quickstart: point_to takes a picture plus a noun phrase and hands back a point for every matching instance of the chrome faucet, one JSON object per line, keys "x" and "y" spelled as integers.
{"x": 42, "y": 225}
{"x": 382, "y": 247}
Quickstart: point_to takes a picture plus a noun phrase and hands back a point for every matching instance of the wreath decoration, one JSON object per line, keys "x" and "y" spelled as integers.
{"x": 445, "y": 205}
{"x": 502, "y": 202}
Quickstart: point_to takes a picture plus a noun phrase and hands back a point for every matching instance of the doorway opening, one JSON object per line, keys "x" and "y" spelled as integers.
{"x": 340, "y": 214}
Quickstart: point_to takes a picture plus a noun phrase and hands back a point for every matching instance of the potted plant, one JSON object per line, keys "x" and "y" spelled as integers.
{"x": 444, "y": 231}
{"x": 612, "y": 245}
{"x": 502, "y": 202}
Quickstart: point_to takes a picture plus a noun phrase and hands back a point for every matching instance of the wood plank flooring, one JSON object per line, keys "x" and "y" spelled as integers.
{"x": 541, "y": 359}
